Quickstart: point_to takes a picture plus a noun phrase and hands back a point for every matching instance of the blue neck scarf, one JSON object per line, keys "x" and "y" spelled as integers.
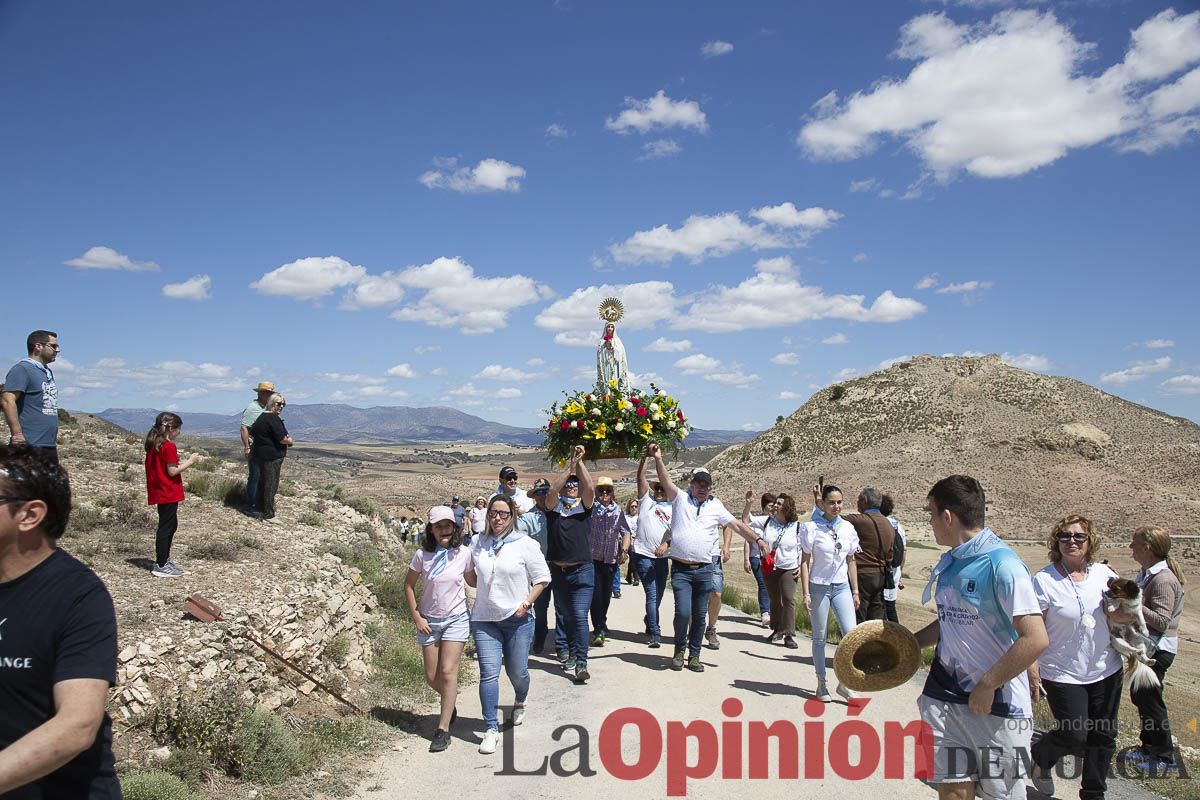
{"x": 983, "y": 542}
{"x": 441, "y": 560}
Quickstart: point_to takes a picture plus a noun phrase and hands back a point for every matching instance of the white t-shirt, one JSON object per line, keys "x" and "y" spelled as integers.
{"x": 757, "y": 521}
{"x": 1077, "y": 654}
{"x": 521, "y": 497}
{"x": 787, "y": 552}
{"x": 892, "y": 594}
{"x": 694, "y": 528}
{"x": 829, "y": 545}
{"x": 504, "y": 577}
{"x": 478, "y": 520}
{"x": 653, "y": 522}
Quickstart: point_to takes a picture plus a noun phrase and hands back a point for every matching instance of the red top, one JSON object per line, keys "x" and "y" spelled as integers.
{"x": 161, "y": 487}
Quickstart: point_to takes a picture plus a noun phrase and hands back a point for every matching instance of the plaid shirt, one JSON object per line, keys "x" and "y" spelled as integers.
{"x": 608, "y": 525}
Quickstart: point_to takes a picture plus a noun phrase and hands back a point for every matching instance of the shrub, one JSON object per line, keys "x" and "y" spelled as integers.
{"x": 233, "y": 493}
{"x": 837, "y": 393}
{"x": 266, "y": 750}
{"x": 188, "y": 764}
{"x": 785, "y": 444}
{"x": 337, "y": 649}
{"x": 364, "y": 527}
{"x": 320, "y": 506}
{"x": 338, "y": 549}
{"x": 127, "y": 510}
{"x": 390, "y": 591}
{"x": 247, "y": 540}
{"x": 64, "y": 418}
{"x": 83, "y": 519}
{"x": 333, "y": 491}
{"x": 155, "y": 785}
{"x": 312, "y": 520}
{"x": 199, "y": 484}
{"x": 287, "y": 489}
{"x": 365, "y": 506}
{"x": 366, "y": 557}
{"x": 779, "y": 419}
{"x": 209, "y": 463}
{"x": 214, "y": 550}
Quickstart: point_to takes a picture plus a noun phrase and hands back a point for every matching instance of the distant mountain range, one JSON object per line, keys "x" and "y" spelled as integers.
{"x": 342, "y": 424}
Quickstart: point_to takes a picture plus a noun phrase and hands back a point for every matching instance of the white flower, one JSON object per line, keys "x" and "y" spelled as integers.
{"x": 656, "y": 417}
{"x": 671, "y": 424}
{"x": 588, "y": 398}
{"x": 662, "y": 392}
{"x": 654, "y": 407}
{"x": 595, "y": 412}
{"x": 574, "y": 423}
{"x": 683, "y": 432}
{"x": 620, "y": 426}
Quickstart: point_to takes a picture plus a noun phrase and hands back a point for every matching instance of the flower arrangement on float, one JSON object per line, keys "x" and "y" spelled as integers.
{"x": 616, "y": 424}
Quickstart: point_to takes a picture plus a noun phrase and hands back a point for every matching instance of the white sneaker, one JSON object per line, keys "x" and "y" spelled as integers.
{"x": 491, "y": 740}
{"x": 823, "y": 693}
{"x": 766, "y": 620}
{"x": 518, "y": 714}
{"x": 166, "y": 571}
{"x": 846, "y": 693}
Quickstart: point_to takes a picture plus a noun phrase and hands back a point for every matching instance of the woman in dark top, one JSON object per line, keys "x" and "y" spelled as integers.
{"x": 271, "y": 442}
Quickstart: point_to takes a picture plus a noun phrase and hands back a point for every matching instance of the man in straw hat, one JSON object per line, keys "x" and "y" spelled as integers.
{"x": 263, "y": 392}
{"x": 988, "y": 632}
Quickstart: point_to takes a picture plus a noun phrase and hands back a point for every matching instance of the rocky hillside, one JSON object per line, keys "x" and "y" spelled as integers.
{"x": 1042, "y": 446}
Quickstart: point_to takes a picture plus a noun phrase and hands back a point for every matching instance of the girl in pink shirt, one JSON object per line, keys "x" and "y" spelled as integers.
{"x": 442, "y": 618}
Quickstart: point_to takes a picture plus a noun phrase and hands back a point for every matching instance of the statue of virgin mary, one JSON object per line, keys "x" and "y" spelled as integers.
{"x": 610, "y": 361}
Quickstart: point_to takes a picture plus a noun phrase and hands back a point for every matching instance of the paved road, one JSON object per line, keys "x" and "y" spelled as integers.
{"x": 690, "y": 730}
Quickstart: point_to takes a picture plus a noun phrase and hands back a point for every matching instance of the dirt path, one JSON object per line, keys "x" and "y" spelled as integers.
{"x": 770, "y": 683}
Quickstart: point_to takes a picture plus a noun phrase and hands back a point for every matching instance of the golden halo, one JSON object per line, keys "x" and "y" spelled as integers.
{"x": 611, "y": 310}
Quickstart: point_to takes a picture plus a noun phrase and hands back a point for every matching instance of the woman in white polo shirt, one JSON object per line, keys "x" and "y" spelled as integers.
{"x": 1079, "y": 672}
{"x": 511, "y": 574}
{"x": 828, "y": 576}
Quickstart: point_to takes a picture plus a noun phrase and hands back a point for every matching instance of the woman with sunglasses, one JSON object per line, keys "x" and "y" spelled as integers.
{"x": 510, "y": 574}
{"x": 828, "y": 576}
{"x": 1079, "y": 672}
{"x": 270, "y": 444}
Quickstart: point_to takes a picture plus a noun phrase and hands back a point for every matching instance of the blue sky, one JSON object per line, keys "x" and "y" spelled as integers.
{"x": 423, "y": 205}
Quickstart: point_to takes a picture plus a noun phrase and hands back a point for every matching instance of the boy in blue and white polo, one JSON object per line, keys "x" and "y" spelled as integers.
{"x": 988, "y": 632}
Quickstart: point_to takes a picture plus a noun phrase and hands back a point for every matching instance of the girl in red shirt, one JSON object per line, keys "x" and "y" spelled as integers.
{"x": 164, "y": 487}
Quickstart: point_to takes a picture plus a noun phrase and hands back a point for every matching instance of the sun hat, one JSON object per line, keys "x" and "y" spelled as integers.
{"x": 265, "y": 386}
{"x": 441, "y": 513}
{"x": 701, "y": 474}
{"x": 604, "y": 480}
{"x": 877, "y": 655}
{"x": 540, "y": 485}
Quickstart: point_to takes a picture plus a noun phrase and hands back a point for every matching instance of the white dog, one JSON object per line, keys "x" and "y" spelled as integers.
{"x": 1131, "y": 641}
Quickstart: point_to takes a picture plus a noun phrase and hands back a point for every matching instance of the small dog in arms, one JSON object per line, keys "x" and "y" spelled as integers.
{"x": 1131, "y": 641}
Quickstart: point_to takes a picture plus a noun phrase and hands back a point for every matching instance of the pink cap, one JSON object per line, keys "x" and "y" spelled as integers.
{"x": 439, "y": 513}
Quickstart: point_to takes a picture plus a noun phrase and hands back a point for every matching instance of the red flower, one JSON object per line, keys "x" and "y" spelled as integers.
{"x": 607, "y": 398}
{"x": 564, "y": 425}
{"x": 635, "y": 401}
{"x": 643, "y": 412}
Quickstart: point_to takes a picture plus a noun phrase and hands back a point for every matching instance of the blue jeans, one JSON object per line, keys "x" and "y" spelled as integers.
{"x": 616, "y": 579}
{"x": 507, "y": 642}
{"x": 652, "y": 572}
{"x": 691, "y": 587}
{"x": 602, "y": 593}
{"x": 541, "y": 622}
{"x": 252, "y": 479}
{"x": 843, "y": 608}
{"x": 764, "y": 599}
{"x": 572, "y": 587}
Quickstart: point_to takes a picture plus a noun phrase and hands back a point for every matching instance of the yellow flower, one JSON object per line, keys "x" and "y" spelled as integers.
{"x": 573, "y": 408}
{"x": 613, "y": 383}
{"x": 600, "y": 431}
{"x": 648, "y": 428}
{"x": 623, "y": 404}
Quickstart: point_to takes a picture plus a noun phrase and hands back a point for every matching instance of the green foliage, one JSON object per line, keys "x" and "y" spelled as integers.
{"x": 234, "y": 493}
{"x": 332, "y": 491}
{"x": 64, "y": 418}
{"x": 337, "y": 649}
{"x": 779, "y": 419}
{"x": 390, "y": 590}
{"x": 615, "y": 424}
{"x": 155, "y": 785}
{"x": 127, "y": 510}
{"x": 785, "y": 444}
{"x": 837, "y": 393}
{"x": 364, "y": 527}
{"x": 366, "y": 557}
{"x": 209, "y": 463}
{"x": 311, "y": 519}
{"x": 229, "y": 491}
{"x": 247, "y": 540}
{"x": 371, "y": 630}
{"x": 287, "y": 489}
{"x": 366, "y": 506}
{"x": 83, "y": 519}
{"x": 267, "y": 752}
{"x": 188, "y": 764}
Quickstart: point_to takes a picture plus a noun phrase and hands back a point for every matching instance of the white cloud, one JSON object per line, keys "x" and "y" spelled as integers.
{"x": 177, "y": 377}
{"x": 507, "y": 393}
{"x": 342, "y": 377}
{"x": 574, "y": 317}
{"x": 438, "y": 371}
{"x": 751, "y": 426}
{"x": 837, "y": 338}
{"x": 1029, "y": 361}
{"x": 786, "y": 359}
{"x": 660, "y": 148}
{"x": 374, "y": 291}
{"x": 1137, "y": 370}
{"x": 197, "y": 287}
{"x": 309, "y": 278}
{"x": 401, "y": 371}
{"x": 466, "y": 390}
{"x": 101, "y": 257}
{"x": 846, "y": 374}
{"x": 658, "y": 111}
{"x": 489, "y": 175}
{"x": 499, "y": 372}
{"x": 576, "y": 339}
{"x": 734, "y": 376}
{"x": 1158, "y": 344}
{"x": 786, "y": 215}
{"x": 866, "y": 185}
{"x": 715, "y": 49}
{"x": 697, "y": 364}
{"x": 664, "y": 345}
{"x": 1181, "y": 384}
{"x": 699, "y": 237}
{"x": 556, "y": 131}
{"x": 422, "y": 349}
{"x": 780, "y": 265}
{"x": 1007, "y": 96}
{"x": 860, "y": 258}
{"x": 928, "y": 282}
{"x": 788, "y": 395}
{"x": 536, "y": 362}
{"x": 190, "y": 394}
{"x": 447, "y": 281}
{"x": 367, "y": 393}
{"x": 965, "y": 287}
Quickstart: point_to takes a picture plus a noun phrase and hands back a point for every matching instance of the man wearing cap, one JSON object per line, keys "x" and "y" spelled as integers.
{"x": 459, "y": 511}
{"x": 533, "y": 522}
{"x": 572, "y": 576}
{"x": 649, "y": 549}
{"x": 264, "y": 391}
{"x": 697, "y": 520}
{"x": 508, "y": 486}
{"x": 609, "y": 533}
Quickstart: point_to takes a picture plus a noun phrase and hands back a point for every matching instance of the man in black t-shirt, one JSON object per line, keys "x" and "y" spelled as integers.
{"x": 58, "y": 644}
{"x": 569, "y": 552}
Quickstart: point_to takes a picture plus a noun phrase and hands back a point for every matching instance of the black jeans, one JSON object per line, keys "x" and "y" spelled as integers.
{"x": 268, "y": 485}
{"x": 1085, "y": 723}
{"x": 541, "y": 620}
{"x": 602, "y": 593}
{"x": 1156, "y": 728}
{"x": 889, "y": 611}
{"x": 870, "y": 595}
{"x": 168, "y": 523}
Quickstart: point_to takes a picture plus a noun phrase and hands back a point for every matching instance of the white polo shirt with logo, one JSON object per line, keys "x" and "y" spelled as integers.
{"x": 695, "y": 527}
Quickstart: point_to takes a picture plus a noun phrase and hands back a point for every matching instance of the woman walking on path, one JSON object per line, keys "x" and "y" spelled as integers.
{"x": 828, "y": 576}
{"x": 1079, "y": 672}
{"x": 442, "y": 619}
{"x": 781, "y": 531}
{"x": 631, "y": 512}
{"x": 271, "y": 441}
{"x": 752, "y": 556}
{"x": 164, "y": 488}
{"x": 510, "y": 574}
{"x": 1162, "y": 582}
{"x": 890, "y": 596}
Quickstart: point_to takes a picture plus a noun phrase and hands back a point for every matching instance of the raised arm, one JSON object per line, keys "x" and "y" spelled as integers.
{"x": 748, "y": 507}
{"x": 587, "y": 491}
{"x": 643, "y": 485}
{"x": 558, "y": 481}
{"x": 660, "y": 469}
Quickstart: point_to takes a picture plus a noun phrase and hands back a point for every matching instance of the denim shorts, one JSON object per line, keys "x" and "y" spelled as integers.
{"x": 718, "y": 574}
{"x": 450, "y": 629}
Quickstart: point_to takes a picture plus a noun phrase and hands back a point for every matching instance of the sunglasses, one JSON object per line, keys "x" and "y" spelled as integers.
{"x": 571, "y": 485}
{"x": 540, "y": 492}
{"x": 511, "y": 478}
{"x": 604, "y": 490}
{"x": 1078, "y": 538}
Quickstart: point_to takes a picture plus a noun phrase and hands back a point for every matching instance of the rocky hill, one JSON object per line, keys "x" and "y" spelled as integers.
{"x": 1042, "y": 447}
